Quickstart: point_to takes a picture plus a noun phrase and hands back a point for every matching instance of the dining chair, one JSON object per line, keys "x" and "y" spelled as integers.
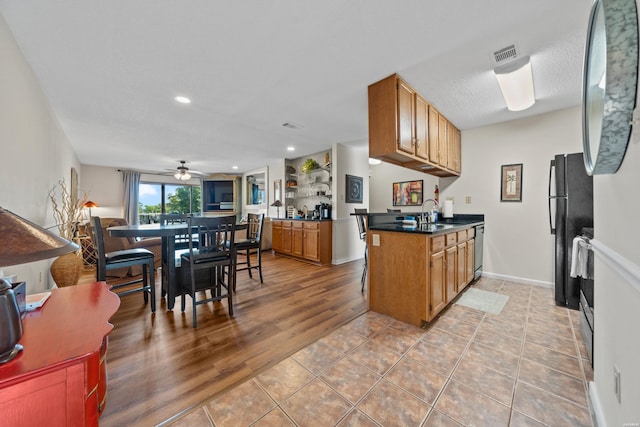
{"x": 362, "y": 229}
{"x": 211, "y": 254}
{"x": 181, "y": 240}
{"x": 124, "y": 258}
{"x": 253, "y": 242}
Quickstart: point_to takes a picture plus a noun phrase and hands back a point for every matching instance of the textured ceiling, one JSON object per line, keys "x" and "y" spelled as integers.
{"x": 111, "y": 69}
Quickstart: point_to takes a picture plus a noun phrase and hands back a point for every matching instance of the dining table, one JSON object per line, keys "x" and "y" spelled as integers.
{"x": 167, "y": 232}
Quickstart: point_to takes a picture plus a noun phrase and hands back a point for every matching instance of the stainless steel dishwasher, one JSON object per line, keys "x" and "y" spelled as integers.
{"x": 478, "y": 250}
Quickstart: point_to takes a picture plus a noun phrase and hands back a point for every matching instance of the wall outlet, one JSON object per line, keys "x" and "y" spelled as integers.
{"x": 376, "y": 240}
{"x": 468, "y": 200}
{"x": 617, "y": 386}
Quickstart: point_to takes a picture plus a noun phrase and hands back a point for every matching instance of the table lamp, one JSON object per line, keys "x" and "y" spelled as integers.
{"x": 22, "y": 242}
{"x": 277, "y": 204}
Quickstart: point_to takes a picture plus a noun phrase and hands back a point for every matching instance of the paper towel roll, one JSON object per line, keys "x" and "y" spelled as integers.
{"x": 447, "y": 210}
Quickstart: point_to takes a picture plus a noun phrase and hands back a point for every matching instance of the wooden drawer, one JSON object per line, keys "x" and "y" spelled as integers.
{"x": 286, "y": 224}
{"x": 297, "y": 224}
{"x": 311, "y": 225}
{"x": 450, "y": 239}
{"x": 471, "y": 233}
{"x": 437, "y": 243}
{"x": 462, "y": 235}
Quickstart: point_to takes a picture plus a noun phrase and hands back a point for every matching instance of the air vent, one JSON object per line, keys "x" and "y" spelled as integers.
{"x": 291, "y": 125}
{"x": 505, "y": 54}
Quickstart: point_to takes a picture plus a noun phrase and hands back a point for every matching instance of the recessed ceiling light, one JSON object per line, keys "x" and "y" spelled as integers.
{"x": 291, "y": 148}
{"x": 234, "y": 167}
{"x": 182, "y": 99}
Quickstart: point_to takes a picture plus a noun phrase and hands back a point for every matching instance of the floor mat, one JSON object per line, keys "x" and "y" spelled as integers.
{"x": 490, "y": 302}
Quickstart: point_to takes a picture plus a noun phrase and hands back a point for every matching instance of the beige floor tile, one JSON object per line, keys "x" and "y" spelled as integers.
{"x": 520, "y": 420}
{"x": 469, "y": 407}
{"x": 368, "y": 324}
{"x": 284, "y": 379}
{"x": 496, "y": 326}
{"x": 548, "y": 409}
{"x": 343, "y": 340}
{"x": 465, "y": 314}
{"x": 197, "y": 418}
{"x": 351, "y": 379}
{"x": 316, "y": 404}
{"x": 454, "y": 326}
{"x": 393, "y": 339}
{"x": 499, "y": 341}
{"x": 243, "y": 405}
{"x": 356, "y": 418}
{"x": 540, "y": 324}
{"x": 389, "y": 405}
{"x": 562, "y": 345}
{"x": 376, "y": 357}
{"x": 552, "y": 359}
{"x": 497, "y": 360}
{"x": 555, "y": 382}
{"x": 486, "y": 381}
{"x": 318, "y": 357}
{"x": 434, "y": 357}
{"x": 275, "y": 418}
{"x": 407, "y": 329}
{"x": 437, "y": 419}
{"x": 411, "y": 376}
{"x": 446, "y": 340}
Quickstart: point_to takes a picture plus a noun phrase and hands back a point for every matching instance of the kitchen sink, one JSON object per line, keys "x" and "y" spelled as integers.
{"x": 435, "y": 227}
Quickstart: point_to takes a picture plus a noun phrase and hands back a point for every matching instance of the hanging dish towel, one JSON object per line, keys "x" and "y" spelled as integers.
{"x": 579, "y": 257}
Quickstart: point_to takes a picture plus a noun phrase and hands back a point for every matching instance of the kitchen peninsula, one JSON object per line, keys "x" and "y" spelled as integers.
{"x": 414, "y": 272}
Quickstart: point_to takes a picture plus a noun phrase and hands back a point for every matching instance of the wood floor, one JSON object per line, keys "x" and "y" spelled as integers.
{"x": 159, "y": 366}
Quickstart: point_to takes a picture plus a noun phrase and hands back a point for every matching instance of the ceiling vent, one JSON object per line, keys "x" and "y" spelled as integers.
{"x": 292, "y": 125}
{"x": 506, "y": 54}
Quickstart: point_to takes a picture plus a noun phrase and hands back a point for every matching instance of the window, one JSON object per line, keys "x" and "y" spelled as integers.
{"x": 157, "y": 198}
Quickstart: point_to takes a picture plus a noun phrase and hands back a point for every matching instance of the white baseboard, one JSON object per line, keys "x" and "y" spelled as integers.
{"x": 345, "y": 260}
{"x": 517, "y": 279}
{"x": 596, "y": 408}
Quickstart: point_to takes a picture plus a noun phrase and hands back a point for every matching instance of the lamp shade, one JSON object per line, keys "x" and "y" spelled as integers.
{"x": 90, "y": 204}
{"x": 516, "y": 84}
{"x": 24, "y": 241}
{"x": 276, "y": 204}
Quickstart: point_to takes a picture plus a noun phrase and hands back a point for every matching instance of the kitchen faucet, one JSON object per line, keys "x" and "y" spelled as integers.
{"x": 422, "y": 217}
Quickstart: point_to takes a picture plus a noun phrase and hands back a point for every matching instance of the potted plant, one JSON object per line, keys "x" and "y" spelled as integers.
{"x": 67, "y": 211}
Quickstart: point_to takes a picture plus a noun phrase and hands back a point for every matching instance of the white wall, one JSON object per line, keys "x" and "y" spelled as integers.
{"x": 382, "y": 178}
{"x": 617, "y": 304}
{"x": 518, "y": 244}
{"x": 35, "y": 152}
{"x": 104, "y": 187}
{"x": 348, "y": 160}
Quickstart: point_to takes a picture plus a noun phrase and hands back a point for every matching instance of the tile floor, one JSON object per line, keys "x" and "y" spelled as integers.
{"x": 526, "y": 366}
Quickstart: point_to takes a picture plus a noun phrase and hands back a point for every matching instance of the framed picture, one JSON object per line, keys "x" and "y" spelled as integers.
{"x": 511, "y": 183}
{"x": 353, "y": 189}
{"x": 407, "y": 193}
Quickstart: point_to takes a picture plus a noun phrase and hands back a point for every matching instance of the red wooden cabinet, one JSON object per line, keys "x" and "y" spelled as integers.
{"x": 59, "y": 379}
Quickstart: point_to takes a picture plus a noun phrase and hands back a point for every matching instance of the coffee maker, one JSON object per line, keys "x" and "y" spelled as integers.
{"x": 325, "y": 211}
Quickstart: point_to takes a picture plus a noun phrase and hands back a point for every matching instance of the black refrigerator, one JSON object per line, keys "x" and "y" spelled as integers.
{"x": 570, "y": 209}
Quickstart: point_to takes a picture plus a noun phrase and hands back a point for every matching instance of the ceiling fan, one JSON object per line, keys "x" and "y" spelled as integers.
{"x": 183, "y": 172}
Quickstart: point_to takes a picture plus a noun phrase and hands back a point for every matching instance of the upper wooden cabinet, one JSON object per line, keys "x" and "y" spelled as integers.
{"x": 404, "y": 129}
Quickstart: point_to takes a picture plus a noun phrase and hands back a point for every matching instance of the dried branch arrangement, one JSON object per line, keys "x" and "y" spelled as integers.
{"x": 67, "y": 210}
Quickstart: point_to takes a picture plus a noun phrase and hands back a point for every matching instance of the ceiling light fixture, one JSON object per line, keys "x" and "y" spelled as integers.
{"x": 291, "y": 148}
{"x": 234, "y": 167}
{"x": 515, "y": 79}
{"x": 183, "y": 172}
{"x": 182, "y": 99}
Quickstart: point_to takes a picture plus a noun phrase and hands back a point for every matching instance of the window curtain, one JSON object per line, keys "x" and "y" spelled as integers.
{"x": 131, "y": 195}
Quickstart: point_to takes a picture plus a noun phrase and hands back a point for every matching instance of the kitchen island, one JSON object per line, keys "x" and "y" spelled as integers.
{"x": 415, "y": 272}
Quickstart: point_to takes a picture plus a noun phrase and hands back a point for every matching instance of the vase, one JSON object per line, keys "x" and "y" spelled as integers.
{"x": 65, "y": 270}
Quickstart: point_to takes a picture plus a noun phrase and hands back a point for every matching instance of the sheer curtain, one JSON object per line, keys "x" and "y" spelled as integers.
{"x": 131, "y": 195}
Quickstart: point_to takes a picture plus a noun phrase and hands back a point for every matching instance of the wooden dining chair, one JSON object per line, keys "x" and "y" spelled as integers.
{"x": 362, "y": 230}
{"x": 124, "y": 258}
{"x": 253, "y": 242}
{"x": 209, "y": 262}
{"x": 181, "y": 240}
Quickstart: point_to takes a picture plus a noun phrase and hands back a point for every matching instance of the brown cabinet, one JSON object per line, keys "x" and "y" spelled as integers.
{"x": 306, "y": 240}
{"x": 404, "y": 129}
{"x": 471, "y": 243}
{"x": 413, "y": 276}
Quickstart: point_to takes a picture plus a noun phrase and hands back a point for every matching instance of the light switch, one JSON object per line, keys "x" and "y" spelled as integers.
{"x": 468, "y": 200}
{"x": 376, "y": 240}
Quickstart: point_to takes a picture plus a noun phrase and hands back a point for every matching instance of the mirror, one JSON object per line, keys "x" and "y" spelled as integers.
{"x": 609, "y": 84}
{"x": 255, "y": 187}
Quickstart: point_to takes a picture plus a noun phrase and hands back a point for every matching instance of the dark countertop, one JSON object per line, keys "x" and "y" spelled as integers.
{"x": 393, "y": 222}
